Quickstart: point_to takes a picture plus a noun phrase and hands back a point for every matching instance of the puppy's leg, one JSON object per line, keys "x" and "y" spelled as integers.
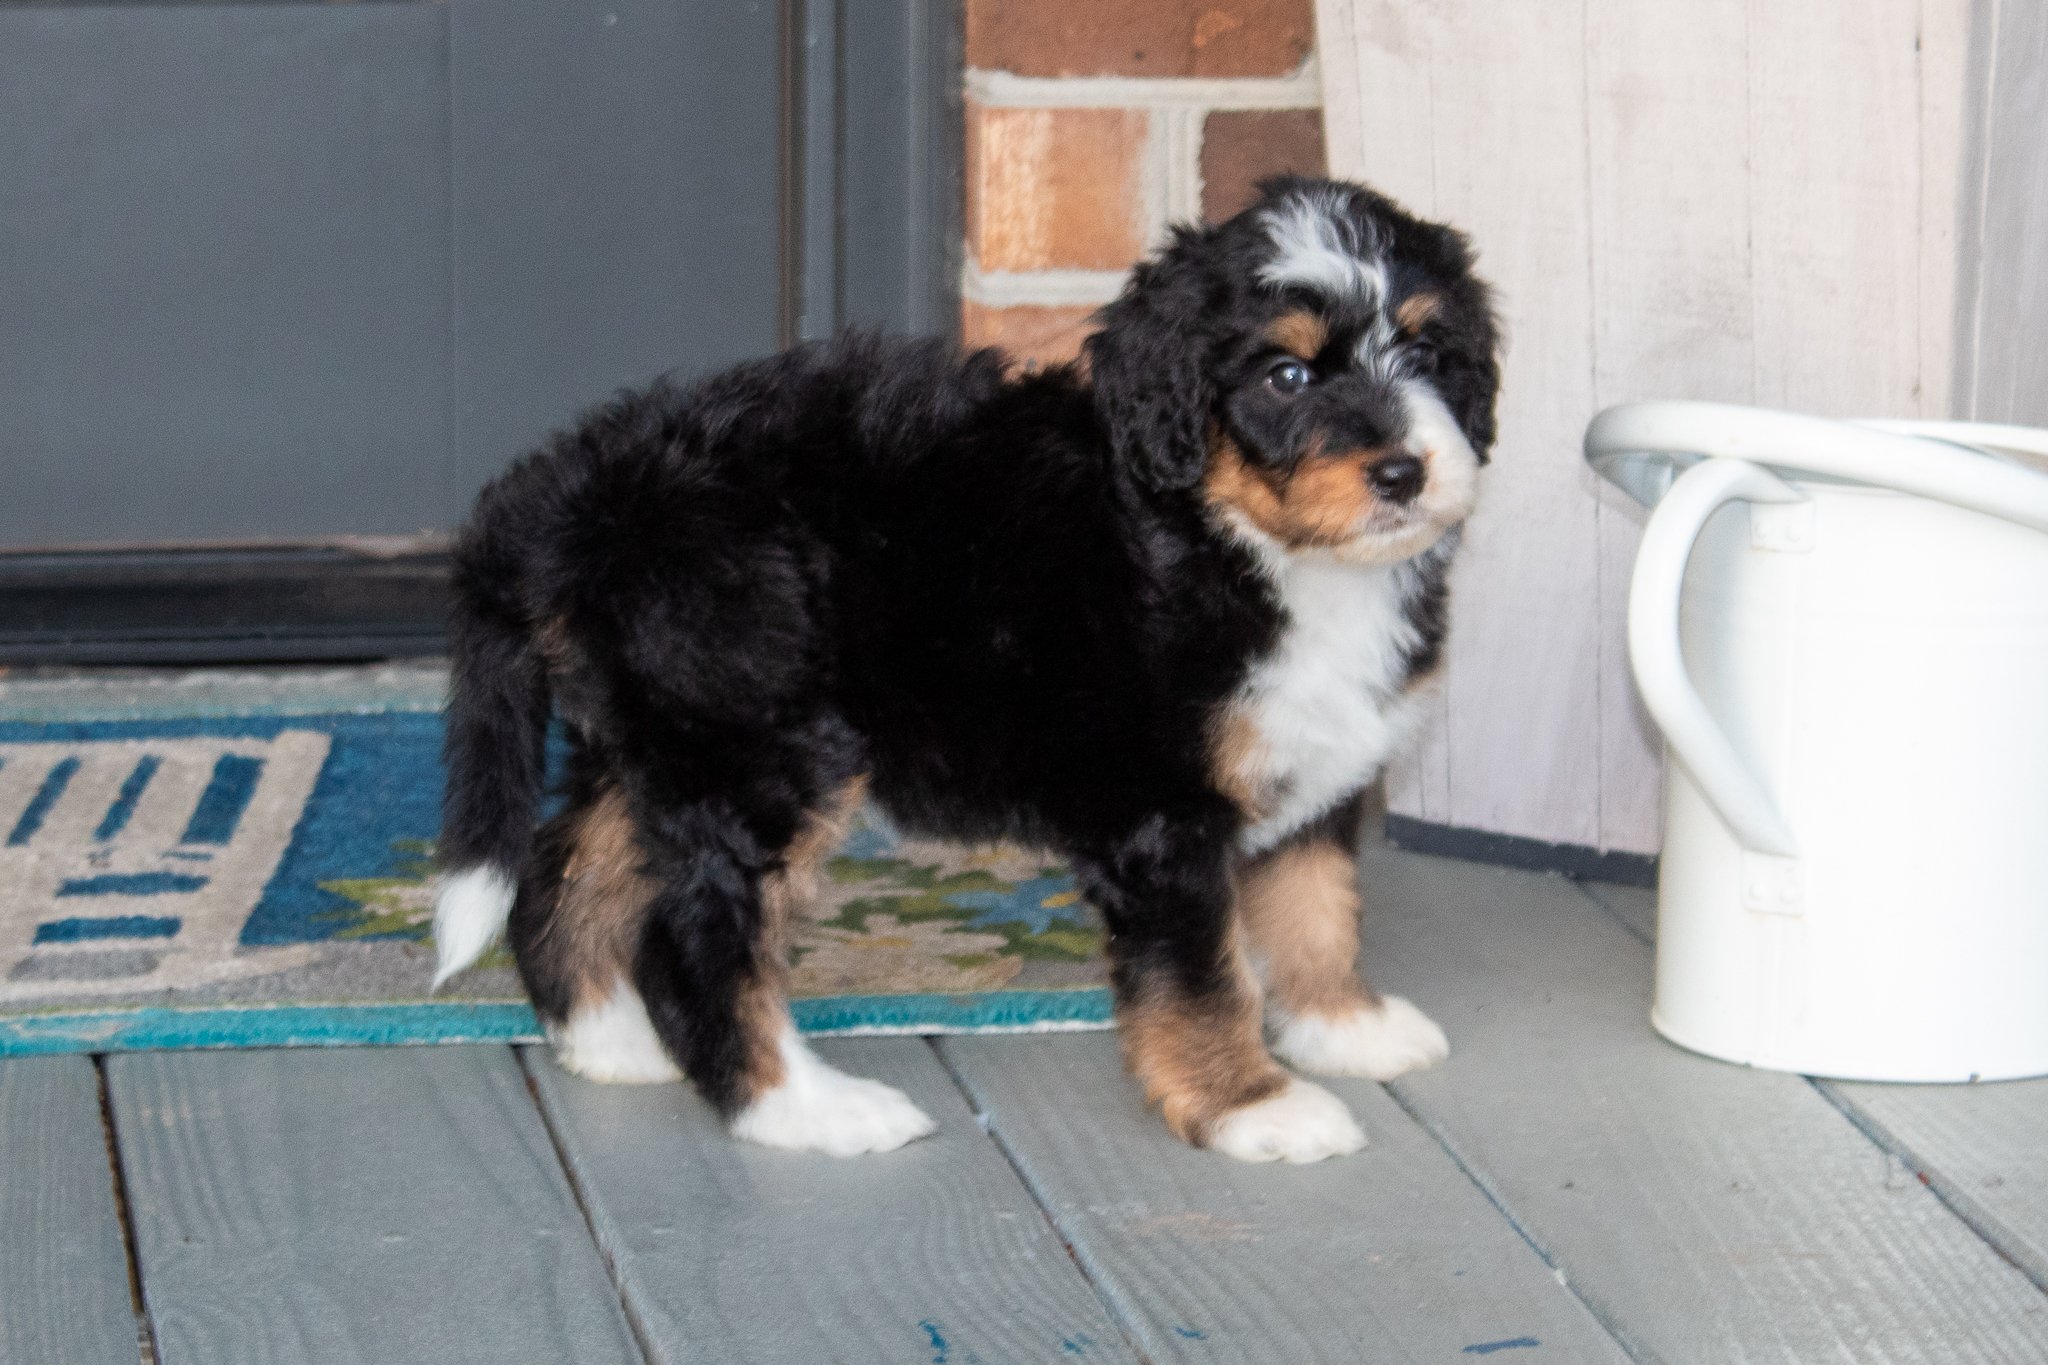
{"x": 574, "y": 931}
{"x": 712, "y": 966}
{"x": 1188, "y": 1006}
{"x": 1299, "y": 904}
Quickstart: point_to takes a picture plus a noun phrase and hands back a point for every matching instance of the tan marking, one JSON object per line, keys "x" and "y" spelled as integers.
{"x": 552, "y": 638}
{"x": 1237, "y": 758}
{"x": 604, "y": 900}
{"x": 1299, "y": 906}
{"x": 788, "y": 891}
{"x": 1324, "y": 502}
{"x": 1199, "y": 1059}
{"x": 1302, "y": 334}
{"x": 1416, "y": 310}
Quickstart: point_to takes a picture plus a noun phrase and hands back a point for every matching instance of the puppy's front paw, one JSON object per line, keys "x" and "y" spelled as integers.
{"x": 1381, "y": 1043}
{"x": 818, "y": 1108}
{"x": 1302, "y": 1123}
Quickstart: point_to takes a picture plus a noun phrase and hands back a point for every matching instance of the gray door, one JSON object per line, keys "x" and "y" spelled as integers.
{"x": 295, "y": 274}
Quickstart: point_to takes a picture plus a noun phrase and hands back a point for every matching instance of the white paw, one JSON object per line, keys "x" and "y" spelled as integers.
{"x": 819, "y": 1108}
{"x": 614, "y": 1041}
{"x": 1380, "y": 1043}
{"x": 1302, "y": 1123}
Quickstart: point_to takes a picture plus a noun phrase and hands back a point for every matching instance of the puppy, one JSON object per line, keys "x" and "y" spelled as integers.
{"x": 1167, "y": 612}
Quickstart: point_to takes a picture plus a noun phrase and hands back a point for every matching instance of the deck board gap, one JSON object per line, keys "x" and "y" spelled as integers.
{"x": 1613, "y": 912}
{"x": 1635, "y": 1350}
{"x": 1973, "y": 1215}
{"x": 642, "y": 1341}
{"x": 145, "y": 1330}
{"x": 985, "y": 1120}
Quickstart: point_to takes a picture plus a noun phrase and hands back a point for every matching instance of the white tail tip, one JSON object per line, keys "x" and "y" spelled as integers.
{"x": 470, "y": 910}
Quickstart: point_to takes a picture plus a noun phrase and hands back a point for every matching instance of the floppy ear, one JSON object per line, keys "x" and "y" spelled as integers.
{"x": 1149, "y": 367}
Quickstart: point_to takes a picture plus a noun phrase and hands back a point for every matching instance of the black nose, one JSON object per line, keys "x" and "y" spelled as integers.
{"x": 1397, "y": 478}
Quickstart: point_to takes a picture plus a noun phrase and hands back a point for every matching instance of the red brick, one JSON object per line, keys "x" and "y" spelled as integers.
{"x": 1242, "y": 147}
{"x": 1140, "y": 37}
{"x": 1034, "y": 335}
{"x": 1052, "y": 189}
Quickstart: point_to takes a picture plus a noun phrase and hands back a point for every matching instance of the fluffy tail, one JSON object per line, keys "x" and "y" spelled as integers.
{"x": 495, "y": 755}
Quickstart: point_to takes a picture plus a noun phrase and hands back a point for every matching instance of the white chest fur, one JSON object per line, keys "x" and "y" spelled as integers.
{"x": 1327, "y": 707}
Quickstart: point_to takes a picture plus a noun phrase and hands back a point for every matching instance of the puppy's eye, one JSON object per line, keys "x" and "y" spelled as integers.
{"x": 1289, "y": 376}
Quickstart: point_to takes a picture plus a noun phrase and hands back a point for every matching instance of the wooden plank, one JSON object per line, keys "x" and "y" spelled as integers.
{"x": 2004, "y": 290}
{"x": 1669, "y": 216}
{"x": 1496, "y": 95}
{"x": 1945, "y": 119}
{"x": 730, "y": 1252}
{"x": 1707, "y": 1212}
{"x": 1391, "y": 1255}
{"x": 372, "y": 1205}
{"x": 1980, "y": 1147}
{"x": 63, "y": 1273}
{"x": 1835, "y": 211}
{"x": 1376, "y": 110}
{"x": 1634, "y": 906}
{"x": 1771, "y": 219}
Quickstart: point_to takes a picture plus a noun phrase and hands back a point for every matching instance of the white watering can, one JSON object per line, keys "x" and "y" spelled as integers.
{"x": 1842, "y": 630}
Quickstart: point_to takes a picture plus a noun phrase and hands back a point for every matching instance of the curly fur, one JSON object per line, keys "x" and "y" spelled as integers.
{"x": 1018, "y": 605}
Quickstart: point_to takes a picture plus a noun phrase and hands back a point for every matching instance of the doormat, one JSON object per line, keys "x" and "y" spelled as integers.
{"x": 264, "y": 880}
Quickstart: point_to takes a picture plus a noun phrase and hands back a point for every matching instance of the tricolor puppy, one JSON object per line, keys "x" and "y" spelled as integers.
{"x": 1167, "y": 612}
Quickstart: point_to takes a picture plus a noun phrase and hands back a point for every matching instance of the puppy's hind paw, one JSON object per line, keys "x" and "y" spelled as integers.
{"x": 613, "y": 1042}
{"x": 1379, "y": 1042}
{"x": 1302, "y": 1123}
{"x": 818, "y": 1108}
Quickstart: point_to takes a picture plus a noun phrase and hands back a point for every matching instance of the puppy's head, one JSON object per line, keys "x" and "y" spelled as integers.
{"x": 1321, "y": 367}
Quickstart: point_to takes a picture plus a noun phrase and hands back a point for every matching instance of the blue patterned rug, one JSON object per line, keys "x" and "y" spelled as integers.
{"x": 219, "y": 880}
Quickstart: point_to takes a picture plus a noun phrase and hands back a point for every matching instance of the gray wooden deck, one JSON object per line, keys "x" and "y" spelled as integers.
{"x": 1566, "y": 1187}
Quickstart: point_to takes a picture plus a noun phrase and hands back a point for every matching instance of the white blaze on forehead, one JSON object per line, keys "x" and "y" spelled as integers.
{"x": 1313, "y": 246}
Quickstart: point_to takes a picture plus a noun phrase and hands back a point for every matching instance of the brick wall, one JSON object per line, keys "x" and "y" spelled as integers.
{"x": 1093, "y": 124}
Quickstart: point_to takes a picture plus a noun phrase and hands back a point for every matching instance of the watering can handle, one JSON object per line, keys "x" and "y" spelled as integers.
{"x": 1695, "y": 738}
{"x": 1722, "y": 449}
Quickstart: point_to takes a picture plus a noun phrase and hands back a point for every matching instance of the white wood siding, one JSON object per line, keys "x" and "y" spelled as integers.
{"x": 1725, "y": 199}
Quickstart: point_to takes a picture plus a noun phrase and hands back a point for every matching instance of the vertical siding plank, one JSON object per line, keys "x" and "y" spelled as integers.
{"x": 2006, "y": 304}
{"x": 1944, "y": 62}
{"x": 1835, "y": 206}
{"x": 1376, "y": 106}
{"x": 1728, "y": 200}
{"x": 1669, "y": 207}
{"x": 1496, "y": 94}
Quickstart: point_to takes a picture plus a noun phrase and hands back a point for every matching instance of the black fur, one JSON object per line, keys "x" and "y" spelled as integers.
{"x": 1004, "y": 599}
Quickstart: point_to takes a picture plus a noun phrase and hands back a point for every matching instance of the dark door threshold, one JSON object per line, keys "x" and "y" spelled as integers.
{"x": 1509, "y": 850}
{"x": 322, "y": 603}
